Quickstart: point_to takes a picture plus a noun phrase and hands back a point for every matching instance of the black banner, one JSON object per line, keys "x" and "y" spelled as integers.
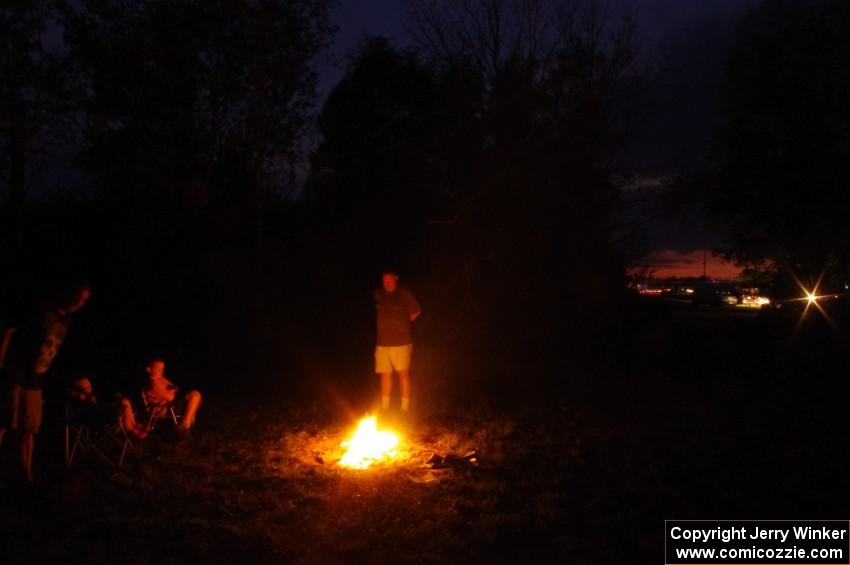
{"x": 757, "y": 542}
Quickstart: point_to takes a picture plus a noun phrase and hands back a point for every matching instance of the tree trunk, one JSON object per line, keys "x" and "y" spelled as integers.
{"x": 19, "y": 143}
{"x": 258, "y": 158}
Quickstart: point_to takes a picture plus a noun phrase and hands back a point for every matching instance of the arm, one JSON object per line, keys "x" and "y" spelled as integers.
{"x": 4, "y": 345}
{"x": 159, "y": 391}
{"x": 170, "y": 390}
{"x": 413, "y": 307}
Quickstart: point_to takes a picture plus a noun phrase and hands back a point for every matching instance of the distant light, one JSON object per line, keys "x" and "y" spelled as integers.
{"x": 755, "y": 301}
{"x": 650, "y": 291}
{"x": 811, "y": 298}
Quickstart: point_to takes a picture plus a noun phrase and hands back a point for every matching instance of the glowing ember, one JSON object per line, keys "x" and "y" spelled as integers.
{"x": 368, "y": 445}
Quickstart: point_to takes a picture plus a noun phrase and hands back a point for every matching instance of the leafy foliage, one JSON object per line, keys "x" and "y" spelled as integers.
{"x": 195, "y": 102}
{"x": 490, "y": 158}
{"x": 783, "y": 162}
{"x": 27, "y": 92}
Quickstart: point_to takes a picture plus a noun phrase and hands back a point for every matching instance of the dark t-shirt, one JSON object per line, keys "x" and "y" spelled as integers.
{"x": 33, "y": 347}
{"x": 394, "y": 311}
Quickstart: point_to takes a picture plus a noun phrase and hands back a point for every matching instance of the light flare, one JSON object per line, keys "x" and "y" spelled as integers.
{"x": 368, "y": 445}
{"x": 812, "y": 298}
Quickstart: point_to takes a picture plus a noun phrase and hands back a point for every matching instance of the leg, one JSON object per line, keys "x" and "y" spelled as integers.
{"x": 193, "y": 402}
{"x": 404, "y": 384}
{"x": 128, "y": 420}
{"x": 384, "y": 367}
{"x": 9, "y": 413}
{"x": 386, "y": 389}
{"x": 32, "y": 412}
{"x": 27, "y": 447}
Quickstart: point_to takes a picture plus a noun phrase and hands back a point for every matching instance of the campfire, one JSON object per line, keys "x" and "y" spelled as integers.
{"x": 368, "y": 445}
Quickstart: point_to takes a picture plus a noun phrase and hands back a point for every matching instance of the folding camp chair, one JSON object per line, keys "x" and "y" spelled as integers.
{"x": 92, "y": 430}
{"x": 158, "y": 410}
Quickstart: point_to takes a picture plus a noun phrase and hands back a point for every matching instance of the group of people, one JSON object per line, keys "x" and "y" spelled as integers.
{"x": 27, "y": 351}
{"x": 158, "y": 395}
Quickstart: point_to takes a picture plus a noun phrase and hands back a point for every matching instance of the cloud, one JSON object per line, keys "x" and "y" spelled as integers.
{"x": 672, "y": 263}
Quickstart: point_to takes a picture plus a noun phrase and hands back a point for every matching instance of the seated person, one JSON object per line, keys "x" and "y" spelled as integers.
{"x": 82, "y": 392}
{"x": 161, "y": 392}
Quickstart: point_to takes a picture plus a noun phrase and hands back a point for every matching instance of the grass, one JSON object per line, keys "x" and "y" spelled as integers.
{"x": 266, "y": 488}
{"x": 684, "y": 430}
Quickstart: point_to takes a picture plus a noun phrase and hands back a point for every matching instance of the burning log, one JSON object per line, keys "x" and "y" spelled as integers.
{"x": 437, "y": 461}
{"x": 369, "y": 445}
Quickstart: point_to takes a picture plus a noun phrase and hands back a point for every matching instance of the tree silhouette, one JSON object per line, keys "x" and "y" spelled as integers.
{"x": 559, "y": 83}
{"x": 782, "y": 170}
{"x": 27, "y": 93}
{"x": 375, "y": 128}
{"x": 511, "y": 154}
{"x": 196, "y": 103}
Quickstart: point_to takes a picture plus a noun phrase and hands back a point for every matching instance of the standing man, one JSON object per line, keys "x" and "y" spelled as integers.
{"x": 396, "y": 307}
{"x": 31, "y": 351}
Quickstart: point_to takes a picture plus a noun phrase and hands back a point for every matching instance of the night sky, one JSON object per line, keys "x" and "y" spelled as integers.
{"x": 690, "y": 37}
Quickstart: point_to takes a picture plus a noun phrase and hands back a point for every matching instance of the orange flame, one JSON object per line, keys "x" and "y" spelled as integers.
{"x": 368, "y": 445}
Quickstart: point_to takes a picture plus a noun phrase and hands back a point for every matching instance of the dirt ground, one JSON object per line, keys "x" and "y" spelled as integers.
{"x": 713, "y": 417}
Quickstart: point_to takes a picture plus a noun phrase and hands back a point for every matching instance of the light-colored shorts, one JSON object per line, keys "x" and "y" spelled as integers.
{"x": 22, "y": 409}
{"x": 388, "y": 358}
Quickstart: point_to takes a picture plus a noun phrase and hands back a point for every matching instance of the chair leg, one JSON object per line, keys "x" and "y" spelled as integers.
{"x": 71, "y": 447}
{"x": 124, "y": 447}
{"x": 102, "y": 455}
{"x": 152, "y": 420}
{"x": 127, "y": 445}
{"x": 80, "y": 441}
